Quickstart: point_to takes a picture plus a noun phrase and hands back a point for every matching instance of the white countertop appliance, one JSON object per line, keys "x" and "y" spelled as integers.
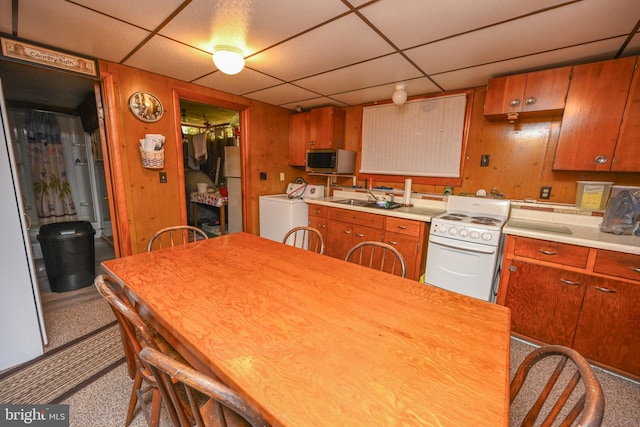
{"x": 465, "y": 246}
{"x": 279, "y": 213}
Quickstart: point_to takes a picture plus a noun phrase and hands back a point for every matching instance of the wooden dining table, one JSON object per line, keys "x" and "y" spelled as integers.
{"x": 312, "y": 340}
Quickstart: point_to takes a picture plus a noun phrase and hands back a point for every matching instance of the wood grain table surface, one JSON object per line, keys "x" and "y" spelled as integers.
{"x": 316, "y": 341}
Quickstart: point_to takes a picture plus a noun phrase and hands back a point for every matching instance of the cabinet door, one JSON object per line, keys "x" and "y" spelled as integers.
{"x": 541, "y": 91}
{"x": 545, "y": 302}
{"x": 609, "y": 326}
{"x": 504, "y": 94}
{"x": 299, "y": 138}
{"x": 593, "y": 114}
{"x": 327, "y": 128}
{"x": 339, "y": 239}
{"x": 322, "y": 225}
{"x": 627, "y": 155}
{"x": 546, "y": 90}
{"x": 410, "y": 248}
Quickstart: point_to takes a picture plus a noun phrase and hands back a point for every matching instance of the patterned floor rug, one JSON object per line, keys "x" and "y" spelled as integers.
{"x": 63, "y": 370}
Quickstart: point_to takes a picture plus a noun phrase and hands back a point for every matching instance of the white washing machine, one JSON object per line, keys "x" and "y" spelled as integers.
{"x": 279, "y": 213}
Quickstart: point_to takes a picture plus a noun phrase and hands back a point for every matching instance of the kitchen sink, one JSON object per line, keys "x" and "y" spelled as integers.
{"x": 353, "y": 202}
{"x": 367, "y": 204}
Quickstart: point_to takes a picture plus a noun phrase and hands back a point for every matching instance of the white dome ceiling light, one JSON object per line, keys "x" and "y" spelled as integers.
{"x": 400, "y": 95}
{"x": 228, "y": 59}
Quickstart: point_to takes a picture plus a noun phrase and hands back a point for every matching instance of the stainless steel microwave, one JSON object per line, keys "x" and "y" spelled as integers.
{"x": 329, "y": 160}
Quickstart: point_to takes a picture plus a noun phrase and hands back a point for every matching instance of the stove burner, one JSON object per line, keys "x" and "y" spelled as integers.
{"x": 461, "y": 215}
{"x": 452, "y": 217}
{"x": 484, "y": 220}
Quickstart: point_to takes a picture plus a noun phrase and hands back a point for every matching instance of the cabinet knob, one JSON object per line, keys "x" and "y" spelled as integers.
{"x": 530, "y": 100}
{"x": 392, "y": 242}
{"x": 312, "y": 143}
{"x": 601, "y": 160}
{"x": 514, "y": 102}
{"x": 569, "y": 282}
{"x": 402, "y": 227}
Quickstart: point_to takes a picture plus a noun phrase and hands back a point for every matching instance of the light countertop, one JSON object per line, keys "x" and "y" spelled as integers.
{"x": 561, "y": 223}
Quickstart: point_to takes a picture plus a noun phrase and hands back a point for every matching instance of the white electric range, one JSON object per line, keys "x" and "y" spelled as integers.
{"x": 465, "y": 246}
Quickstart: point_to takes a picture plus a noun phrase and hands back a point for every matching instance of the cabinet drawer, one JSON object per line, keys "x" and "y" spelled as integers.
{"x": 403, "y": 226}
{"x": 318, "y": 211}
{"x": 618, "y": 264}
{"x": 559, "y": 253}
{"x": 358, "y": 218}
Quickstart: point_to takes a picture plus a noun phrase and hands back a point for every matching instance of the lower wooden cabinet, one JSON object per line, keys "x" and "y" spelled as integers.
{"x": 344, "y": 228}
{"x": 545, "y": 302}
{"x": 609, "y": 325}
{"x": 594, "y": 309}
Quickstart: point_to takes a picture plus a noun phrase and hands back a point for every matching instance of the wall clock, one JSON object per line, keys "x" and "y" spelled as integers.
{"x": 146, "y": 106}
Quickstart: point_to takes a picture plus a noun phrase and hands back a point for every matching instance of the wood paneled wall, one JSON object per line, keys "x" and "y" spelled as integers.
{"x": 143, "y": 204}
{"x": 521, "y": 158}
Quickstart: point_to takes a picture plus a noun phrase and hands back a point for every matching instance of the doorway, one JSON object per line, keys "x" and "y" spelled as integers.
{"x": 211, "y": 155}
{"x": 61, "y": 95}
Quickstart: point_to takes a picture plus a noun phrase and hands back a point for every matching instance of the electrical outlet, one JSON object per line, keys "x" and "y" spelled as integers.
{"x": 484, "y": 160}
{"x": 263, "y": 176}
{"x": 281, "y": 176}
{"x": 163, "y": 177}
{"x": 545, "y": 193}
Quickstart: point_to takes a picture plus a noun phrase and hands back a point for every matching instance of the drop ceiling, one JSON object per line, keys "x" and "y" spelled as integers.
{"x": 333, "y": 52}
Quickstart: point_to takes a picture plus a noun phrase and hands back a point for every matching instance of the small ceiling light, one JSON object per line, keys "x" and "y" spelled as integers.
{"x": 228, "y": 59}
{"x": 400, "y": 95}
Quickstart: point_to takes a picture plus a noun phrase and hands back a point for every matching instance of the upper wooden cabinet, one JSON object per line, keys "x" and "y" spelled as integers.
{"x": 318, "y": 128}
{"x": 627, "y": 154}
{"x": 592, "y": 119}
{"x": 525, "y": 95}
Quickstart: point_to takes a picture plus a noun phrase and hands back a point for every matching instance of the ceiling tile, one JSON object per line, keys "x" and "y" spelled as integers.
{"x": 514, "y": 39}
{"x": 283, "y": 94}
{"x": 439, "y": 19}
{"x": 160, "y": 55}
{"x": 420, "y": 86}
{"x": 65, "y": 25}
{"x": 324, "y": 49}
{"x": 239, "y": 84}
{"x": 391, "y": 68}
{"x": 248, "y": 25}
{"x": 313, "y": 103}
{"x": 148, "y": 15}
{"x": 479, "y": 76}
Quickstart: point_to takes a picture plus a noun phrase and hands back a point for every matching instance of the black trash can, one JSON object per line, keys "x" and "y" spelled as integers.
{"x": 69, "y": 254}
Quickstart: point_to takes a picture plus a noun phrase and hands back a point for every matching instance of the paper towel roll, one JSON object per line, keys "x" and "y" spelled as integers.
{"x": 406, "y": 200}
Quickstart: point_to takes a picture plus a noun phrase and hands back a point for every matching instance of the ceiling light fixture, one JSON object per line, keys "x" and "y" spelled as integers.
{"x": 228, "y": 59}
{"x": 400, "y": 95}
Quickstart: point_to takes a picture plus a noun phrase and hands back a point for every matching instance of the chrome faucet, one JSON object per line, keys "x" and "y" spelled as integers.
{"x": 376, "y": 198}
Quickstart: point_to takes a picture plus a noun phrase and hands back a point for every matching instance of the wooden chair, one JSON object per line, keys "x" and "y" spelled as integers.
{"x": 132, "y": 327}
{"x": 301, "y": 236}
{"x": 589, "y": 407}
{"x": 378, "y": 255}
{"x": 177, "y": 234}
{"x": 224, "y": 407}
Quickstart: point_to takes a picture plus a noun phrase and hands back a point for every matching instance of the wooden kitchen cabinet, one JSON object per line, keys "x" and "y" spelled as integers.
{"x": 299, "y": 136}
{"x": 627, "y": 153}
{"x": 527, "y": 94}
{"x": 593, "y": 115}
{"x": 593, "y": 307}
{"x": 408, "y": 237}
{"x": 318, "y": 219}
{"x": 544, "y": 301}
{"x": 608, "y": 329}
{"x": 318, "y": 128}
{"x": 346, "y": 228}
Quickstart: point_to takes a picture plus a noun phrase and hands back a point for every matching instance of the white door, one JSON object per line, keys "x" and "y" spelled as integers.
{"x": 22, "y": 332}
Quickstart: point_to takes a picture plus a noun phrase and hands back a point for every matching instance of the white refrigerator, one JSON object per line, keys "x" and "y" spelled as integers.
{"x": 22, "y": 331}
{"x": 233, "y": 175}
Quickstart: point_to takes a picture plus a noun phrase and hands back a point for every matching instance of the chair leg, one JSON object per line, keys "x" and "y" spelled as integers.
{"x": 156, "y": 403}
{"x": 137, "y": 383}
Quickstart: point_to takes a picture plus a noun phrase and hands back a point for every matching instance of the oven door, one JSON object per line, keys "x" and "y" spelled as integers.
{"x": 463, "y": 267}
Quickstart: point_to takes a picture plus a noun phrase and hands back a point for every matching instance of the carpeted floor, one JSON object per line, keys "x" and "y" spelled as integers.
{"x": 103, "y": 401}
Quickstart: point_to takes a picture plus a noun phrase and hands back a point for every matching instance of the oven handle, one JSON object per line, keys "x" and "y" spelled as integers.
{"x": 464, "y": 246}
